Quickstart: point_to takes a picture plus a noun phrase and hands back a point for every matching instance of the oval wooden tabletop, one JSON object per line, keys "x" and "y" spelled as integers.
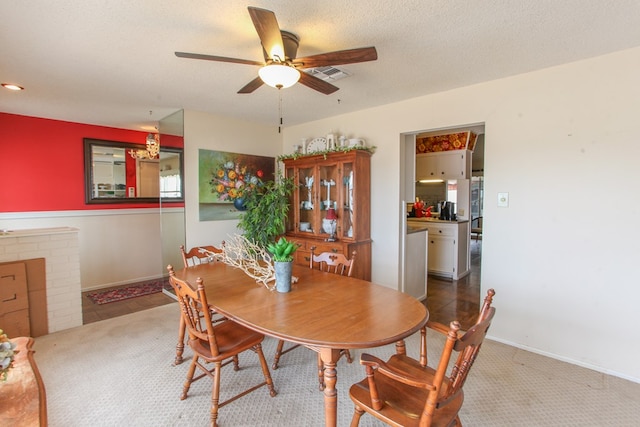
{"x": 322, "y": 309}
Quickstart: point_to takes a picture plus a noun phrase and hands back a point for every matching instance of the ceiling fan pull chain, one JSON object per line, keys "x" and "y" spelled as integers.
{"x": 280, "y": 110}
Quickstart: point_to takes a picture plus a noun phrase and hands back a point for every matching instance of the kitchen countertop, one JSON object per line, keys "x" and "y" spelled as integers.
{"x": 441, "y": 221}
{"x": 416, "y": 229}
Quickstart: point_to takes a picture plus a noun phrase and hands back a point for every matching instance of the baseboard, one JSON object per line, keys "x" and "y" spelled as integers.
{"x": 121, "y": 283}
{"x": 567, "y": 360}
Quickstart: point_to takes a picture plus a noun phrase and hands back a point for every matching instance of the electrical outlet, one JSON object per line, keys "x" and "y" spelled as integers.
{"x": 503, "y": 200}
{"x": 461, "y": 212}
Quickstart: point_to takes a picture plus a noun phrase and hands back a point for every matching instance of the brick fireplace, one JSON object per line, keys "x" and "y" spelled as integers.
{"x": 59, "y": 248}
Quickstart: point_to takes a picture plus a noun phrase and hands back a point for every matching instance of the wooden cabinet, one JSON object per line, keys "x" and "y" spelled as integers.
{"x": 444, "y": 165}
{"x": 340, "y": 181}
{"x": 448, "y": 248}
{"x": 441, "y": 255}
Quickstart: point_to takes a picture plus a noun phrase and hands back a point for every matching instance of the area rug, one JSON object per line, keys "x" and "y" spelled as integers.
{"x": 133, "y": 291}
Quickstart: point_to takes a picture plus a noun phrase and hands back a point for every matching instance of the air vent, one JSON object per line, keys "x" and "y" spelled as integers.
{"x": 328, "y": 74}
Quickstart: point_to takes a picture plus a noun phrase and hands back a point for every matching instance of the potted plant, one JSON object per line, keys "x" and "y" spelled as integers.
{"x": 266, "y": 211}
{"x": 282, "y": 252}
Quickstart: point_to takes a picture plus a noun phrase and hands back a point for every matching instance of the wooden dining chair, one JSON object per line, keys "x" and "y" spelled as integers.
{"x": 199, "y": 254}
{"x": 195, "y": 256}
{"x": 476, "y": 227}
{"x": 408, "y": 392}
{"x": 217, "y": 344}
{"x": 333, "y": 263}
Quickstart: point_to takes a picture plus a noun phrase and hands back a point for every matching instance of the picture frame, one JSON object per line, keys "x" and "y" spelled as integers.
{"x": 225, "y": 177}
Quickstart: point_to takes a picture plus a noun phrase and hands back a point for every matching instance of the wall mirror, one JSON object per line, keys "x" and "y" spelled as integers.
{"x": 114, "y": 175}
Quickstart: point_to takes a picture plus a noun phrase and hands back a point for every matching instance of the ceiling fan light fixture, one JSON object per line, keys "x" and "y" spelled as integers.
{"x": 279, "y": 76}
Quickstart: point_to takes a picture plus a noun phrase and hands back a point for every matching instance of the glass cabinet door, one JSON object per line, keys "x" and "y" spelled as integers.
{"x": 307, "y": 204}
{"x": 345, "y": 217}
{"x": 292, "y": 221}
{"x": 329, "y": 191}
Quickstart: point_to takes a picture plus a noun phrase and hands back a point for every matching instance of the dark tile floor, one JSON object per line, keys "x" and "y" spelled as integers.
{"x": 92, "y": 312}
{"x": 447, "y": 300}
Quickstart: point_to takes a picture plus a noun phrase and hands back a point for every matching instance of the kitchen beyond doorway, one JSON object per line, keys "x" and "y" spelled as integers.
{"x": 449, "y": 300}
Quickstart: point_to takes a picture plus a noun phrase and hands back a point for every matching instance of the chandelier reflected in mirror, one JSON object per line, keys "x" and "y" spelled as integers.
{"x": 152, "y": 151}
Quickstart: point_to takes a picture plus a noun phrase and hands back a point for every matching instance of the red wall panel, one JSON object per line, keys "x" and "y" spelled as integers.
{"x": 42, "y": 163}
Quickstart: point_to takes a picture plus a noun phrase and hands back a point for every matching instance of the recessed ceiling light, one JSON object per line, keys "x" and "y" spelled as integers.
{"x": 11, "y": 86}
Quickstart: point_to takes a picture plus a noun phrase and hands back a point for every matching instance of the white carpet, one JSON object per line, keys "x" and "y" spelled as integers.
{"x": 119, "y": 372}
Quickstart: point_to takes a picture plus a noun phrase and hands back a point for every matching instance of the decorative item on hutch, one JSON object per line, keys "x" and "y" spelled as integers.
{"x": 331, "y": 141}
{"x": 329, "y": 224}
{"x": 343, "y": 141}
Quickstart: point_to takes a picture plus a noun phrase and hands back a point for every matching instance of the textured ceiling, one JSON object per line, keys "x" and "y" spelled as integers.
{"x": 112, "y": 62}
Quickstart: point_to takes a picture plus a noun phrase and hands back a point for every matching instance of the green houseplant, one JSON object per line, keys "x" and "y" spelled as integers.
{"x": 265, "y": 219}
{"x": 266, "y": 211}
{"x": 282, "y": 252}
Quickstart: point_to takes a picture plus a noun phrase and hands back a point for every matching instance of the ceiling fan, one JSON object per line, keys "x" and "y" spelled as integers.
{"x": 280, "y": 49}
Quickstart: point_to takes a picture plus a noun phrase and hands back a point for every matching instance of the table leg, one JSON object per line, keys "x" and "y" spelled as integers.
{"x": 330, "y": 358}
{"x": 401, "y": 348}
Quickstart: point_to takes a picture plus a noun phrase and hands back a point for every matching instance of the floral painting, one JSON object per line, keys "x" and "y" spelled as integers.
{"x": 224, "y": 180}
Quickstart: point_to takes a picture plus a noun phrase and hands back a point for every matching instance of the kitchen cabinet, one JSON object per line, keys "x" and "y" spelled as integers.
{"x": 341, "y": 181}
{"x": 444, "y": 165}
{"x": 108, "y": 179}
{"x": 448, "y": 247}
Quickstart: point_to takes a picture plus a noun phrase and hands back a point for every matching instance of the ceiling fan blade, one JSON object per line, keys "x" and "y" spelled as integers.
{"x": 252, "y": 85}
{"x": 349, "y": 56}
{"x": 217, "y": 58}
{"x": 317, "y": 84}
{"x": 269, "y": 32}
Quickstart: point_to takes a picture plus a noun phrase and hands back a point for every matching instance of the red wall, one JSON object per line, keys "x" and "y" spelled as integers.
{"x": 42, "y": 163}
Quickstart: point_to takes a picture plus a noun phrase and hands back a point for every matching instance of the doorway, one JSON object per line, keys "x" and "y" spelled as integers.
{"x": 448, "y": 299}
{"x": 148, "y": 182}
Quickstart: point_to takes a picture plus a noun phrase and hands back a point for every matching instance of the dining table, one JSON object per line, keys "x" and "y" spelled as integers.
{"x": 323, "y": 311}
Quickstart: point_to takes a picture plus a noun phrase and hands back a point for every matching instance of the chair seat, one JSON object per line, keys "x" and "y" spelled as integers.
{"x": 403, "y": 404}
{"x": 231, "y": 339}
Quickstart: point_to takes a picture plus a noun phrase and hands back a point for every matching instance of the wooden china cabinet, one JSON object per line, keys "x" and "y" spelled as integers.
{"x": 338, "y": 180}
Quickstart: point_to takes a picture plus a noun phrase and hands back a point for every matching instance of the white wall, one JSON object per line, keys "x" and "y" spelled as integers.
{"x": 563, "y": 143}
{"x": 117, "y": 246}
{"x": 206, "y": 131}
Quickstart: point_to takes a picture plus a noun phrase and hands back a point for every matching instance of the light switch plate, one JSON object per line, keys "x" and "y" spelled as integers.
{"x": 503, "y": 200}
